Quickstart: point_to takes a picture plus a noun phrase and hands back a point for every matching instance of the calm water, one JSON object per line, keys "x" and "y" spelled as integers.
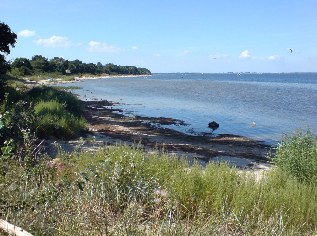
{"x": 276, "y": 103}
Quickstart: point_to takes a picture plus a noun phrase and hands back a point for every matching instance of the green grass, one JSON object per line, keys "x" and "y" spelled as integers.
{"x": 53, "y": 120}
{"x": 297, "y": 155}
{"x": 45, "y": 93}
{"x": 125, "y": 191}
{"x": 42, "y": 112}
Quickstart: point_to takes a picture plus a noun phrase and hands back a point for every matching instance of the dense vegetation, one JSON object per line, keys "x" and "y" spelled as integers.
{"x": 125, "y": 191}
{"x": 297, "y": 155}
{"x": 7, "y": 40}
{"x": 39, "y": 65}
{"x": 41, "y": 112}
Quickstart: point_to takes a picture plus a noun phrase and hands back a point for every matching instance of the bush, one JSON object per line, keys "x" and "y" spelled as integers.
{"x": 72, "y": 104}
{"x": 53, "y": 120}
{"x": 16, "y": 134}
{"x": 297, "y": 155}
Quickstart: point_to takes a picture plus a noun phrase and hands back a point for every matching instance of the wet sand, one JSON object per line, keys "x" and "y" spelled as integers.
{"x": 107, "y": 124}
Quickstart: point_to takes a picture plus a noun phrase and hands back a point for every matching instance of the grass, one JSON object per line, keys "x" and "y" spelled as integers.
{"x": 53, "y": 120}
{"x": 58, "y": 113}
{"x": 297, "y": 155}
{"x": 45, "y": 93}
{"x": 48, "y": 112}
{"x": 125, "y": 191}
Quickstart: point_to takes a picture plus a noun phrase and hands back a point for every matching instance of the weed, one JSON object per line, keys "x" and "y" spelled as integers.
{"x": 297, "y": 155}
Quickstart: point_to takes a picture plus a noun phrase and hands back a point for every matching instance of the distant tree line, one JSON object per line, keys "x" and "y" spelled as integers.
{"x": 39, "y": 65}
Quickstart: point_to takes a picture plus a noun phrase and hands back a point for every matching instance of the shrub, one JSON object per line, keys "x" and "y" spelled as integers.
{"x": 17, "y": 138}
{"x": 72, "y": 104}
{"x": 297, "y": 155}
{"x": 53, "y": 120}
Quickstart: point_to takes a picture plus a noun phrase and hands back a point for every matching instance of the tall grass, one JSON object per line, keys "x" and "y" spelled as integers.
{"x": 55, "y": 121}
{"x": 297, "y": 155}
{"x": 58, "y": 113}
{"x": 125, "y": 191}
{"x": 44, "y": 93}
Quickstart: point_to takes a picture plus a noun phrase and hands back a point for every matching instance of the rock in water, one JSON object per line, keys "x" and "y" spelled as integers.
{"x": 213, "y": 125}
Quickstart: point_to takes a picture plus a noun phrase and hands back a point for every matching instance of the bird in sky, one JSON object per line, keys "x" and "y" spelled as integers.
{"x": 291, "y": 50}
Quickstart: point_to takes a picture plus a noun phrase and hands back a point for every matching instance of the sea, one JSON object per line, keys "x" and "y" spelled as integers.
{"x": 263, "y": 107}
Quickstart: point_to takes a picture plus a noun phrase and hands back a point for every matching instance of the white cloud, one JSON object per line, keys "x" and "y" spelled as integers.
{"x": 157, "y": 55}
{"x": 134, "y": 48}
{"x": 26, "y": 33}
{"x": 245, "y": 54}
{"x": 54, "y": 42}
{"x": 274, "y": 57}
{"x": 95, "y": 46}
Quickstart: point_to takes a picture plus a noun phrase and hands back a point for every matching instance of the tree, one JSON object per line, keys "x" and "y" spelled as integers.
{"x": 40, "y": 64}
{"x": 21, "y": 66}
{"x": 58, "y": 64}
{"x": 7, "y": 40}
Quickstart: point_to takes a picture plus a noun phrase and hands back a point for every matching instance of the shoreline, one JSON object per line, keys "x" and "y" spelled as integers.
{"x": 108, "y": 125}
{"x": 83, "y": 78}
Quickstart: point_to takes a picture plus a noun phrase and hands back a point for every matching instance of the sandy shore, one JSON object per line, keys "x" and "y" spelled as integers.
{"x": 108, "y": 125}
{"x": 82, "y": 78}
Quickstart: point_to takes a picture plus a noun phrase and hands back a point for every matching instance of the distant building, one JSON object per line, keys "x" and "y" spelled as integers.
{"x": 68, "y": 71}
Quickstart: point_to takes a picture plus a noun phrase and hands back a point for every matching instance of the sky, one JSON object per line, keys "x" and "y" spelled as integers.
{"x": 207, "y": 36}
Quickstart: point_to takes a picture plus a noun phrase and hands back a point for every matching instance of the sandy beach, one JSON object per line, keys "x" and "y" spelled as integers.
{"x": 51, "y": 81}
{"x": 108, "y": 126}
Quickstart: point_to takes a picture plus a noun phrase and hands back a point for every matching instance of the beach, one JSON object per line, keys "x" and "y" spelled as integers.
{"x": 109, "y": 126}
{"x": 51, "y": 81}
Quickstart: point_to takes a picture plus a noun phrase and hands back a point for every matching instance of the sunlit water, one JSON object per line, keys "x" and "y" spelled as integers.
{"x": 259, "y": 106}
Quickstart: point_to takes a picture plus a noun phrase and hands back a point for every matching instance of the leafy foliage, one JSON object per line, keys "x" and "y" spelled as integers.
{"x": 17, "y": 136}
{"x": 297, "y": 155}
{"x": 42, "y": 112}
{"x": 39, "y": 64}
{"x": 7, "y": 40}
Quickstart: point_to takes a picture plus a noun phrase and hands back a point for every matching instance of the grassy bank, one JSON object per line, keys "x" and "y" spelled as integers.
{"x": 125, "y": 191}
{"x": 27, "y": 115}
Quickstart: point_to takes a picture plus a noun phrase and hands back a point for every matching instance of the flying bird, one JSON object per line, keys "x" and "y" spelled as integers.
{"x": 291, "y": 50}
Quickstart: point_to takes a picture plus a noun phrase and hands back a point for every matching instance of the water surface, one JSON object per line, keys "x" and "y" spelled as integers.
{"x": 259, "y": 106}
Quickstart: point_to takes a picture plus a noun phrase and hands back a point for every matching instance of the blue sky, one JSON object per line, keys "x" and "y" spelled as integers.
{"x": 169, "y": 35}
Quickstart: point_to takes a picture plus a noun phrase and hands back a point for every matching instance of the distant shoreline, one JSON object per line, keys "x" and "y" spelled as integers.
{"x": 83, "y": 78}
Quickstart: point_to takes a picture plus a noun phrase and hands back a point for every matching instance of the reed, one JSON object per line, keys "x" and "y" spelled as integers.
{"x": 126, "y": 191}
{"x": 54, "y": 120}
{"x": 297, "y": 155}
